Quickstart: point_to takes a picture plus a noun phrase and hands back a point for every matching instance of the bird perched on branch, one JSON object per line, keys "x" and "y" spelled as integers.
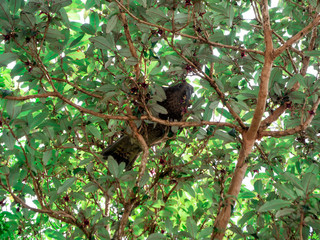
{"x": 127, "y": 148}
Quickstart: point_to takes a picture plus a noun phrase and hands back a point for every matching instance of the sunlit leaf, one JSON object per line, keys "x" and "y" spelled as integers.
{"x": 67, "y": 184}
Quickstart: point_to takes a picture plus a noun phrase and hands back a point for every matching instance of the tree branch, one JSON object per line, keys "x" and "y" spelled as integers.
{"x": 129, "y": 40}
{"x": 249, "y": 137}
{"x": 298, "y": 36}
{"x": 214, "y": 44}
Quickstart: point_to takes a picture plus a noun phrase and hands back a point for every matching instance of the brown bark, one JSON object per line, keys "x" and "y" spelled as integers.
{"x": 130, "y": 42}
{"x": 249, "y": 137}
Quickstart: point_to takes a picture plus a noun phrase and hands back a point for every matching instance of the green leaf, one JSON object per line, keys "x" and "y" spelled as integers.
{"x": 90, "y": 187}
{"x": 64, "y": 17}
{"x": 223, "y": 136}
{"x": 87, "y": 28}
{"x": 258, "y": 186}
{"x": 156, "y": 236}
{"x": 5, "y": 92}
{"x": 7, "y": 58}
{"x": 246, "y": 194}
{"x": 18, "y": 69}
{"x": 15, "y": 5}
{"x": 189, "y": 190}
{"x": 285, "y": 212}
{"x": 246, "y": 217}
{"x": 67, "y": 184}
{"x": 113, "y": 167}
{"x": 58, "y": 4}
{"x": 274, "y": 205}
{"x": 158, "y": 108}
{"x": 205, "y": 233}
{"x": 94, "y": 131}
{"x": 76, "y": 41}
{"x": 224, "y": 113}
{"x": 111, "y": 23}
{"x": 173, "y": 59}
{"x": 13, "y": 108}
{"x": 293, "y": 179}
{"x": 38, "y": 119}
{"x": 54, "y": 234}
{"x": 208, "y": 112}
{"x": 89, "y": 4}
{"x": 132, "y": 61}
{"x": 46, "y": 157}
{"x": 5, "y": 170}
{"x": 8, "y": 139}
{"x": 169, "y": 225}
{"x": 4, "y": 11}
{"x": 28, "y": 18}
{"x": 314, "y": 53}
{"x": 101, "y": 42}
{"x": 55, "y": 34}
{"x": 14, "y": 176}
{"x": 285, "y": 191}
{"x": 277, "y": 89}
{"x": 192, "y": 227}
{"x": 275, "y": 76}
{"x": 156, "y": 14}
{"x": 310, "y": 182}
{"x": 296, "y": 78}
{"x": 230, "y": 15}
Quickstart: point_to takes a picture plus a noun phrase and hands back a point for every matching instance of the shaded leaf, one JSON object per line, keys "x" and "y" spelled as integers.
{"x": 274, "y": 205}
{"x": 192, "y": 227}
{"x": 7, "y": 58}
{"x": 156, "y": 236}
{"x": 113, "y": 167}
{"x": 111, "y": 23}
{"x": 67, "y": 184}
{"x": 87, "y": 28}
{"x": 285, "y": 212}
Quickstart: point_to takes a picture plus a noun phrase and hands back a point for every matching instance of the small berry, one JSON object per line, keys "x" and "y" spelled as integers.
{"x": 162, "y": 161}
{"x": 134, "y": 90}
{"x": 311, "y": 112}
{"x": 188, "y": 68}
{"x": 288, "y": 104}
{"x": 66, "y": 198}
{"x": 187, "y": 3}
{"x": 86, "y": 222}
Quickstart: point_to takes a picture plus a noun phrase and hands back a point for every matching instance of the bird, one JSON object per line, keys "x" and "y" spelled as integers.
{"x": 127, "y": 148}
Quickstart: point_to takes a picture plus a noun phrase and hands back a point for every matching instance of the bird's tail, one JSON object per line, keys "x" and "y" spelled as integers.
{"x": 125, "y": 149}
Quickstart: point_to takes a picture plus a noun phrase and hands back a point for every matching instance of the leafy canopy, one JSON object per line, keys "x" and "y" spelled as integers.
{"x": 83, "y": 73}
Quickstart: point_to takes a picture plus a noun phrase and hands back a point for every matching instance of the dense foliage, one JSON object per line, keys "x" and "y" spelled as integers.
{"x": 76, "y": 75}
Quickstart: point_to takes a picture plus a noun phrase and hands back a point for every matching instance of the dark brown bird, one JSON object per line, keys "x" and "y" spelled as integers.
{"x": 126, "y": 149}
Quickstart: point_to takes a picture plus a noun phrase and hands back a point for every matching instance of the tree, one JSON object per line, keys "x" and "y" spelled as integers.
{"x": 76, "y": 87}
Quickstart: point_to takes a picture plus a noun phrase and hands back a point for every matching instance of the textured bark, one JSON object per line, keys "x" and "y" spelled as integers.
{"x": 249, "y": 136}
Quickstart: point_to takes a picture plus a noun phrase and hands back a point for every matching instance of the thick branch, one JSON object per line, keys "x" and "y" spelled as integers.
{"x": 305, "y": 64}
{"x": 296, "y": 129}
{"x": 214, "y": 44}
{"x": 298, "y": 36}
{"x": 213, "y": 84}
{"x": 130, "y": 42}
{"x": 125, "y": 118}
{"x": 265, "y": 74}
{"x": 249, "y": 137}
